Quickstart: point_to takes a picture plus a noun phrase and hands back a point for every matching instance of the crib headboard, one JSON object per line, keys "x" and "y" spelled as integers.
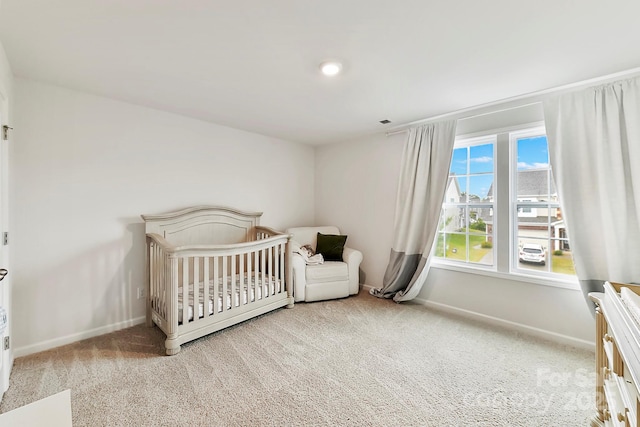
{"x": 204, "y": 225}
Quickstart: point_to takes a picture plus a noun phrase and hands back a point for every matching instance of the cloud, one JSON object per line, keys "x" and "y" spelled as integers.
{"x": 485, "y": 159}
{"x": 525, "y": 165}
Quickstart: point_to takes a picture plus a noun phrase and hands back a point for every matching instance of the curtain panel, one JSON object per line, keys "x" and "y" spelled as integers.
{"x": 422, "y": 185}
{"x": 594, "y": 149}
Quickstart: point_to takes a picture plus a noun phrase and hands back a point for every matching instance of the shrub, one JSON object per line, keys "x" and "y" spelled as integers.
{"x": 486, "y": 244}
{"x": 479, "y": 225}
{"x": 558, "y": 252}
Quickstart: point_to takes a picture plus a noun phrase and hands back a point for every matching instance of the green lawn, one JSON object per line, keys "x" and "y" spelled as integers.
{"x": 457, "y": 247}
{"x": 562, "y": 264}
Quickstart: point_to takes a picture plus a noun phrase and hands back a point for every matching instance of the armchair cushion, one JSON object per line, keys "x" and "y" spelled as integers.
{"x": 327, "y": 272}
{"x": 330, "y": 246}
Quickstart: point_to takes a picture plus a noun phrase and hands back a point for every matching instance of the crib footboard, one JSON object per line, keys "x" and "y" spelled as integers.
{"x": 199, "y": 289}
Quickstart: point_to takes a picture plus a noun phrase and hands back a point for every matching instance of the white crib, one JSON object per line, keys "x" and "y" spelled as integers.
{"x": 211, "y": 267}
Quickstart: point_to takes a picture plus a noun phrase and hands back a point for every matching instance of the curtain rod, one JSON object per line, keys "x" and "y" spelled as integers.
{"x": 531, "y": 98}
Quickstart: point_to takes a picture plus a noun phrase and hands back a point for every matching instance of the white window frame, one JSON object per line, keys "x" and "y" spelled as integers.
{"x": 533, "y": 204}
{"x": 503, "y": 238}
{"x": 466, "y": 142}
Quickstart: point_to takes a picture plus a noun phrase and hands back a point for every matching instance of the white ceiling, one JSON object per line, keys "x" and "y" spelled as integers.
{"x": 253, "y": 64}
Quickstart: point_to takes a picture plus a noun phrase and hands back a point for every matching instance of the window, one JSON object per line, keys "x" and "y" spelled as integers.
{"x": 465, "y": 231}
{"x": 533, "y": 238}
{"x": 540, "y": 238}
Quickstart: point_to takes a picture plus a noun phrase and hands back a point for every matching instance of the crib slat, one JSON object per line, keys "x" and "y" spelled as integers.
{"x": 205, "y": 279}
{"x": 162, "y": 279}
{"x": 282, "y": 266}
{"x": 276, "y": 268}
{"x": 196, "y": 289}
{"x": 185, "y": 291}
{"x": 224, "y": 283}
{"x": 265, "y": 291}
{"x": 250, "y": 290}
{"x": 172, "y": 298}
{"x": 152, "y": 272}
{"x": 156, "y": 270}
{"x": 241, "y": 280}
{"x": 233, "y": 282}
{"x": 256, "y": 272}
{"x": 158, "y": 278}
{"x": 162, "y": 292}
{"x": 216, "y": 285}
{"x": 270, "y": 269}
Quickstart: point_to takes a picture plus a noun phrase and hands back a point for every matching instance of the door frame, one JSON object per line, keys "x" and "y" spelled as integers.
{"x": 6, "y": 356}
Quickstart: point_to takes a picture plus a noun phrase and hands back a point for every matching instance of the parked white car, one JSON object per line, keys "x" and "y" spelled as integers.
{"x": 531, "y": 252}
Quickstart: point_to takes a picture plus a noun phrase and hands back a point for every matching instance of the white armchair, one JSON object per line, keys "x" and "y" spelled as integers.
{"x": 332, "y": 279}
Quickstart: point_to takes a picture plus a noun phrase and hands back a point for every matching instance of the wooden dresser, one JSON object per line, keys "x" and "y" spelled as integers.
{"x": 617, "y": 357}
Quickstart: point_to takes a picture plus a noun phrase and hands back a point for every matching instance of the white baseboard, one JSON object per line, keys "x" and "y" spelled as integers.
{"x": 496, "y": 321}
{"x": 57, "y": 342}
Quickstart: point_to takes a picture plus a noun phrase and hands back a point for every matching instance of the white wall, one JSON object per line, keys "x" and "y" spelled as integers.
{"x": 356, "y": 185}
{"x": 83, "y": 170}
{"x": 355, "y": 189}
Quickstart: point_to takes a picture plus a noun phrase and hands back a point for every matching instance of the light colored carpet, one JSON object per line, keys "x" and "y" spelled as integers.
{"x": 360, "y": 361}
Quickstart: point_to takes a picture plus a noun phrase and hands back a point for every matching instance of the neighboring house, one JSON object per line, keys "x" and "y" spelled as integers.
{"x": 535, "y": 221}
{"x": 453, "y": 216}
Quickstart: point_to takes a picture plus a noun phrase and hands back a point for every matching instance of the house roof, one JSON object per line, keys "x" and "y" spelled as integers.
{"x": 531, "y": 183}
{"x": 534, "y": 182}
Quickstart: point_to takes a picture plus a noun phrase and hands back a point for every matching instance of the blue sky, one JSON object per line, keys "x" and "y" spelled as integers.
{"x": 533, "y": 153}
{"x": 479, "y": 159}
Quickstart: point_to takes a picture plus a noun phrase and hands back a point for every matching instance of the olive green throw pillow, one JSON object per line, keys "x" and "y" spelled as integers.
{"x": 331, "y": 246}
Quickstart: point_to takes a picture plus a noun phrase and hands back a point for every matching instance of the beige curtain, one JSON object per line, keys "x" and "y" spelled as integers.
{"x": 594, "y": 149}
{"x": 423, "y": 181}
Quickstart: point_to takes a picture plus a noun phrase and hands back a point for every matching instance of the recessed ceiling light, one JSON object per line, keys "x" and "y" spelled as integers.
{"x": 330, "y": 68}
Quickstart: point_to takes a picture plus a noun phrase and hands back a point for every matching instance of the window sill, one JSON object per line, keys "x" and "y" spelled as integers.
{"x": 570, "y": 283}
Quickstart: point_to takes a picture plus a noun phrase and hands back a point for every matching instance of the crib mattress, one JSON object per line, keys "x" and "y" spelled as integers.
{"x": 245, "y": 291}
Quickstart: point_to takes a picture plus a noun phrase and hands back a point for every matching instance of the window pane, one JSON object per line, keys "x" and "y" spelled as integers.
{"x": 456, "y": 246}
{"x": 459, "y": 162}
{"x": 533, "y": 169}
{"x": 539, "y": 222}
{"x": 481, "y": 158}
{"x": 477, "y": 217}
{"x": 479, "y": 187}
{"x": 533, "y": 153}
{"x": 461, "y": 238}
